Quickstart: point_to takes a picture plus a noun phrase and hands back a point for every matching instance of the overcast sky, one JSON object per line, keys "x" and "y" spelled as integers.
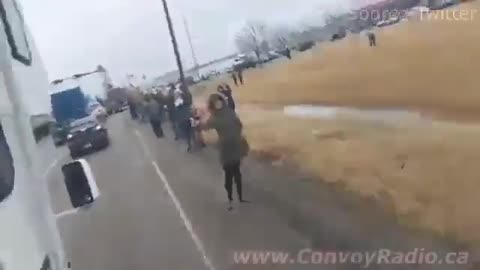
{"x": 131, "y": 36}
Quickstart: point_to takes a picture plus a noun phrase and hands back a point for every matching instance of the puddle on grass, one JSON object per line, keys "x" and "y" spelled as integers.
{"x": 331, "y": 112}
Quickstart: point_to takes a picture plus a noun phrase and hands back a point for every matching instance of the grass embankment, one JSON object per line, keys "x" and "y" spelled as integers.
{"x": 428, "y": 174}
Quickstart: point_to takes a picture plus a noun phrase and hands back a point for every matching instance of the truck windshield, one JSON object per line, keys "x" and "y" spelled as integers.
{"x": 7, "y": 173}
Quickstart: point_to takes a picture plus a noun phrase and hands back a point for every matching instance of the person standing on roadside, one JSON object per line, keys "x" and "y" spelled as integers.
{"x": 183, "y": 102}
{"x": 288, "y": 53}
{"x": 170, "y": 100}
{"x": 233, "y": 147}
{"x": 152, "y": 110}
{"x": 161, "y": 98}
{"x": 372, "y": 39}
{"x": 162, "y": 101}
{"x": 240, "y": 75}
{"x": 234, "y": 77}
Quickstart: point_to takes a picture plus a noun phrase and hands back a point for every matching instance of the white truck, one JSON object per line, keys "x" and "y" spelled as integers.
{"x": 29, "y": 238}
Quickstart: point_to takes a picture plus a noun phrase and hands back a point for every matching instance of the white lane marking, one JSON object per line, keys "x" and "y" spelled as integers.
{"x": 50, "y": 167}
{"x": 186, "y": 221}
{"x": 142, "y": 143}
{"x": 67, "y": 213}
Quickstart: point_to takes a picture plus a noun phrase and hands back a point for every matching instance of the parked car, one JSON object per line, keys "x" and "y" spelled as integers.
{"x": 340, "y": 34}
{"x": 304, "y": 46}
{"x": 114, "y": 107}
{"x": 393, "y": 20}
{"x": 335, "y": 37}
{"x": 116, "y": 100}
{"x": 243, "y": 62}
{"x": 263, "y": 59}
{"x": 381, "y": 23}
{"x": 442, "y": 4}
{"x": 389, "y": 21}
{"x": 87, "y": 137}
{"x": 272, "y": 55}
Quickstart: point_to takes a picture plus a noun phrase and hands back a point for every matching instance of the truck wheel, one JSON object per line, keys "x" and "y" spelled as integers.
{"x": 74, "y": 154}
{"x": 106, "y": 142}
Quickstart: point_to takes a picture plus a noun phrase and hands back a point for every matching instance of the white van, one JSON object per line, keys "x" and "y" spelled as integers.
{"x": 29, "y": 237}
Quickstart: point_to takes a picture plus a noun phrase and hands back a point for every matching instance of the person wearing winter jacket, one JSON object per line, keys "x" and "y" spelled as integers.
{"x": 183, "y": 111}
{"x": 153, "y": 111}
{"x": 232, "y": 145}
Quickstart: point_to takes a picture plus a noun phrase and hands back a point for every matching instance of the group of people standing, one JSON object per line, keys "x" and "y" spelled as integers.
{"x": 188, "y": 123}
{"x": 156, "y": 107}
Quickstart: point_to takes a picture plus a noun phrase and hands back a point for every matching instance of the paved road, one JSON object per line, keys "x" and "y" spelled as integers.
{"x": 162, "y": 208}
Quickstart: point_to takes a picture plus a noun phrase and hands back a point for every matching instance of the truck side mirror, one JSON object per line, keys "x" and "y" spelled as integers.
{"x": 80, "y": 182}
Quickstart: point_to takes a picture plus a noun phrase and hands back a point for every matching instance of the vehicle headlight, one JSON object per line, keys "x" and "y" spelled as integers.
{"x": 69, "y": 136}
{"x": 98, "y": 127}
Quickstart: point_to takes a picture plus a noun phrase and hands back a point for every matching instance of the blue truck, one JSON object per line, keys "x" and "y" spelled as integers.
{"x": 67, "y": 106}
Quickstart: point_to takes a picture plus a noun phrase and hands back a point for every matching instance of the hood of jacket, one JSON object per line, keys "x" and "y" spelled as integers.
{"x": 211, "y": 104}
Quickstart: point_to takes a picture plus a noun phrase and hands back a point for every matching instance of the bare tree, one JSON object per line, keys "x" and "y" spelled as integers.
{"x": 265, "y": 46}
{"x": 251, "y": 37}
{"x": 280, "y": 37}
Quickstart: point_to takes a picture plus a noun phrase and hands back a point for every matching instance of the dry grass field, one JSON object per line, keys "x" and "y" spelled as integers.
{"x": 418, "y": 64}
{"x": 428, "y": 174}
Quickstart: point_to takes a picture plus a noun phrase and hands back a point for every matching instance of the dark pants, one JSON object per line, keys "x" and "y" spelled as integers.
{"x": 187, "y": 132}
{"x": 173, "y": 121}
{"x": 373, "y": 43}
{"x": 175, "y": 128}
{"x": 133, "y": 112}
{"x": 231, "y": 102}
{"x": 235, "y": 81}
{"x": 198, "y": 138}
{"x": 157, "y": 128}
{"x": 240, "y": 78}
{"x": 232, "y": 173}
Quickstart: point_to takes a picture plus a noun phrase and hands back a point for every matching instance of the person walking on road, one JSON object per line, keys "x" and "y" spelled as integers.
{"x": 235, "y": 79}
{"x": 153, "y": 112}
{"x": 288, "y": 53}
{"x": 233, "y": 147}
{"x": 142, "y": 109}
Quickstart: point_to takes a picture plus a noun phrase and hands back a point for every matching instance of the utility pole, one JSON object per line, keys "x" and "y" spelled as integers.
{"x": 175, "y": 47}
{"x": 194, "y": 57}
